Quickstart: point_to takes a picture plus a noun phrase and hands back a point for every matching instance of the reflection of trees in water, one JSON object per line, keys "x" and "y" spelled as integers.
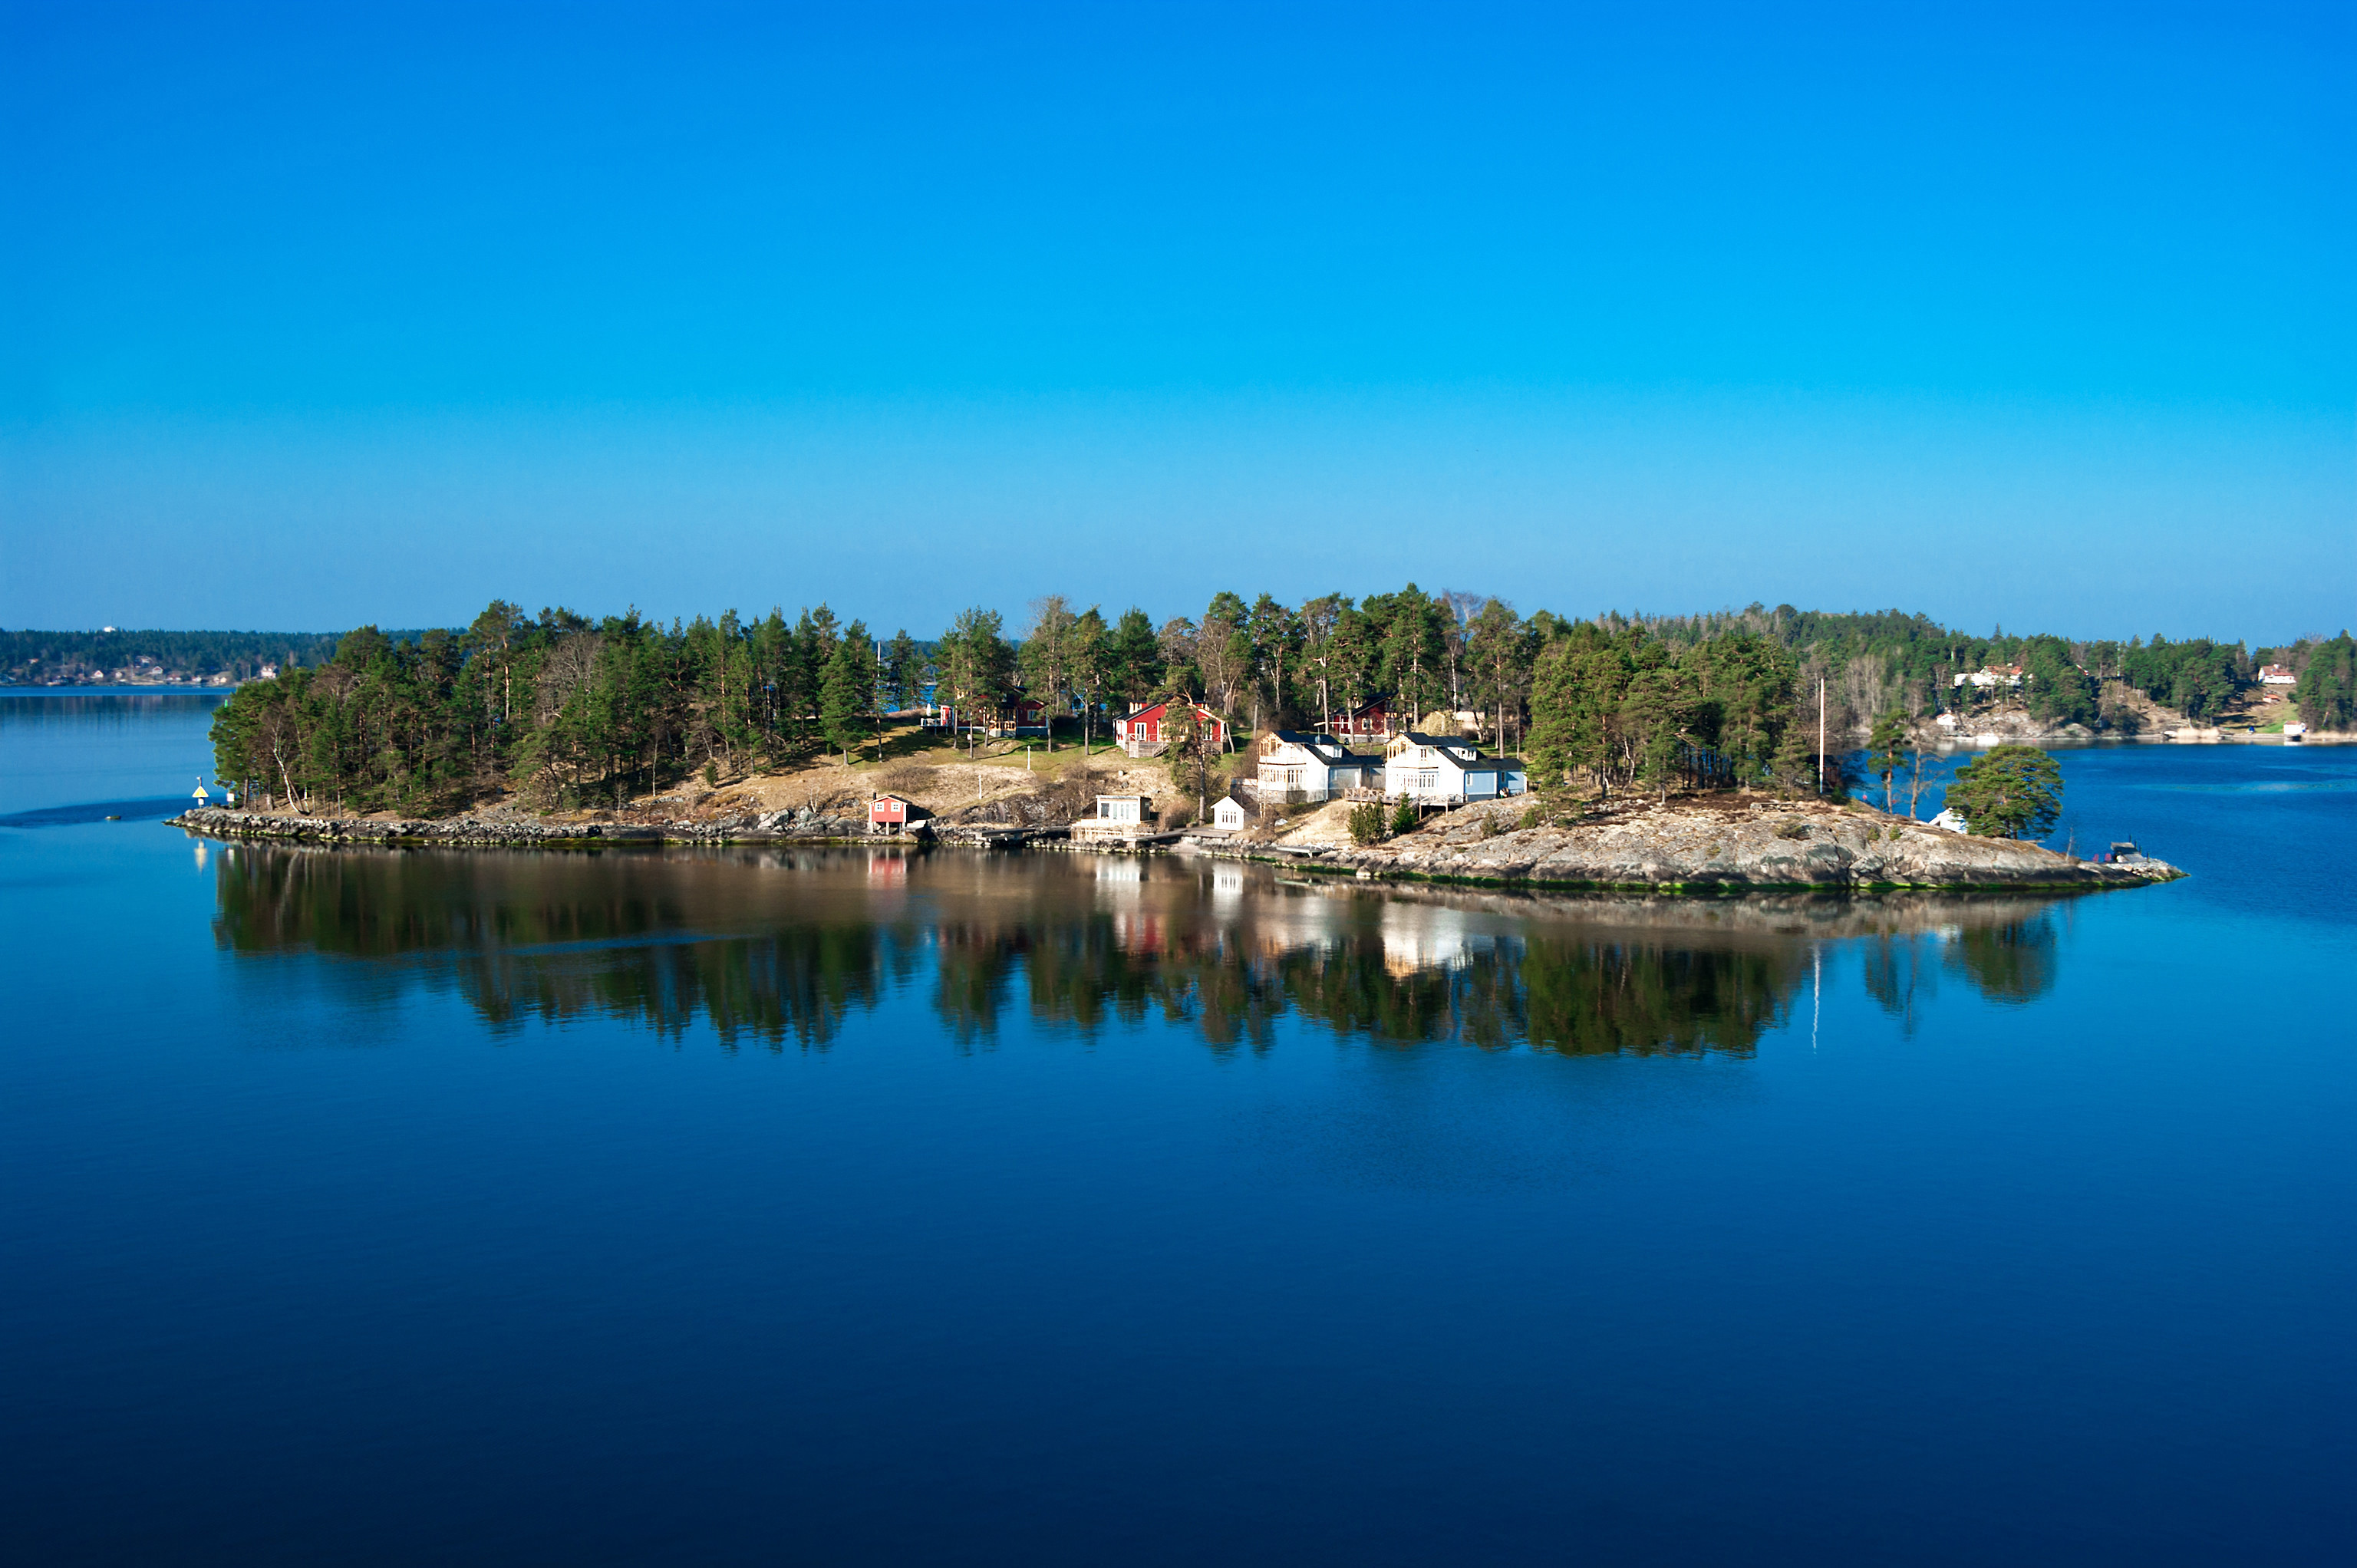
{"x": 799, "y": 983}
{"x": 561, "y": 937}
{"x": 1603, "y": 998}
{"x": 2008, "y": 958}
{"x": 567, "y": 946}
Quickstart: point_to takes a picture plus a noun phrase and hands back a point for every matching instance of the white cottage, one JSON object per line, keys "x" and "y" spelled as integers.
{"x": 1444, "y": 771}
{"x": 1132, "y": 809}
{"x": 1120, "y": 819}
{"x": 1228, "y": 814}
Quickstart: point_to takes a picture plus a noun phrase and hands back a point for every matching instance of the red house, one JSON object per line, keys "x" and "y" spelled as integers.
{"x": 1025, "y": 715}
{"x": 893, "y": 814}
{"x": 1371, "y": 720}
{"x": 1143, "y": 729}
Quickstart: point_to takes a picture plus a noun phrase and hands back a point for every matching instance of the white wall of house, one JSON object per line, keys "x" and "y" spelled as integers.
{"x": 1426, "y": 767}
{"x": 1315, "y": 770}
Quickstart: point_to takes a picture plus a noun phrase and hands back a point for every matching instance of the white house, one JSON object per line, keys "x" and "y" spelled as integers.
{"x": 1130, "y": 809}
{"x": 2006, "y": 675}
{"x": 1298, "y": 766}
{"x": 1948, "y": 819}
{"x": 1444, "y": 769}
{"x": 1120, "y": 819}
{"x": 2277, "y": 675}
{"x": 1228, "y": 814}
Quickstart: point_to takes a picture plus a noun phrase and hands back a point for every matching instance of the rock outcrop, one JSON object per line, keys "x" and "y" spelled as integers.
{"x": 1712, "y": 847}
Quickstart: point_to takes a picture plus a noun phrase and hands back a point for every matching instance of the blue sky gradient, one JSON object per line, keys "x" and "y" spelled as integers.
{"x": 322, "y": 315}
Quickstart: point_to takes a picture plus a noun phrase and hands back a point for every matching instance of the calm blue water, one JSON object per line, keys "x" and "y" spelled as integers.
{"x": 363, "y": 1206}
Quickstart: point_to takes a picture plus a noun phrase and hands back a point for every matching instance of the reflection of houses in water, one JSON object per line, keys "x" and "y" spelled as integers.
{"x": 1419, "y": 936}
{"x": 1295, "y": 920}
{"x": 1227, "y": 883}
{"x": 1139, "y": 932}
{"x": 888, "y": 871}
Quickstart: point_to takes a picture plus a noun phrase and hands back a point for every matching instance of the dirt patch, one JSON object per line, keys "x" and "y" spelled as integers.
{"x": 1327, "y": 826}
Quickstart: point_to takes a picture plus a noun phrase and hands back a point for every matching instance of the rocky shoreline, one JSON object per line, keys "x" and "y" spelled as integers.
{"x": 512, "y": 831}
{"x": 1712, "y": 848}
{"x": 1709, "y": 848}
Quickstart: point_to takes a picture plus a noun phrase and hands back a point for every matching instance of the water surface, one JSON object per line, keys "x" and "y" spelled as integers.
{"x": 383, "y": 1205}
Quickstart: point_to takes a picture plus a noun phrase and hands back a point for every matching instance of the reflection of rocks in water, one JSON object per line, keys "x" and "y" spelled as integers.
{"x": 787, "y": 945}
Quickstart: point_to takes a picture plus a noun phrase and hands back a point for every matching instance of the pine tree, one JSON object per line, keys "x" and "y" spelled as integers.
{"x": 903, "y": 669}
{"x": 847, "y": 691}
{"x": 2009, "y": 791}
{"x": 1885, "y": 753}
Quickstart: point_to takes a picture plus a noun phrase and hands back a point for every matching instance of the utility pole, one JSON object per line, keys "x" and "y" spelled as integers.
{"x": 1821, "y": 734}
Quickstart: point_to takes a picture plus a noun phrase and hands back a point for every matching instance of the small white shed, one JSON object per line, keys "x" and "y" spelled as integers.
{"x": 1123, "y": 808}
{"x": 1228, "y": 814}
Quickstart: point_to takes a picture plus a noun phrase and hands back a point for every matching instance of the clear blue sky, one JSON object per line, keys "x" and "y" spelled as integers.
{"x": 2043, "y": 316}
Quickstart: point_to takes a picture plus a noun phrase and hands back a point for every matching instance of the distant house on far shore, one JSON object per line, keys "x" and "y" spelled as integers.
{"x": 2009, "y": 676}
{"x": 2277, "y": 675}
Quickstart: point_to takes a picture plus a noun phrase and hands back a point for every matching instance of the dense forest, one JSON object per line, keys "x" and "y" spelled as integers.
{"x": 565, "y": 710}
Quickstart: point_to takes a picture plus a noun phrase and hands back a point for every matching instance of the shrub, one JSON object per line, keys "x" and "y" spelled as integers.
{"x": 1366, "y": 825}
{"x": 1405, "y": 819}
{"x": 1793, "y": 830}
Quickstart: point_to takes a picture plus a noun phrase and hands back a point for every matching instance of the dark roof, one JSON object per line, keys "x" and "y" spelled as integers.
{"x": 1479, "y": 758}
{"x": 1317, "y": 740}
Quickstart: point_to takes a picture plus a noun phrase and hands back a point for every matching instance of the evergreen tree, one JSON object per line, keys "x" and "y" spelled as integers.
{"x": 904, "y": 669}
{"x": 843, "y": 698}
{"x": 1191, "y": 746}
{"x": 1134, "y": 663}
{"x": 1498, "y": 651}
{"x": 2326, "y": 693}
{"x": 1047, "y": 657}
{"x": 1092, "y": 666}
{"x": 1886, "y": 753}
{"x": 2009, "y": 791}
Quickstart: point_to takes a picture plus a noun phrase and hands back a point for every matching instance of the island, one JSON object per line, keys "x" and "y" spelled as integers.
{"x": 1702, "y": 847}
